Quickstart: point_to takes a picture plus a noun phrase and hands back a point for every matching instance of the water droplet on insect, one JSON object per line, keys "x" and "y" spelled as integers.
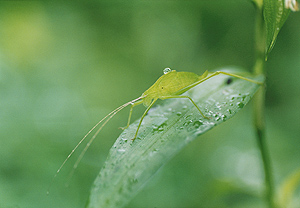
{"x": 178, "y": 113}
{"x": 166, "y": 70}
{"x": 229, "y": 111}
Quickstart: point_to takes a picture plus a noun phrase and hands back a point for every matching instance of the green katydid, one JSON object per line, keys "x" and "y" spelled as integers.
{"x": 171, "y": 84}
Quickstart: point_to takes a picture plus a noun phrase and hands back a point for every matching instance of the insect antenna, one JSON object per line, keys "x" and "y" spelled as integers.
{"x": 106, "y": 119}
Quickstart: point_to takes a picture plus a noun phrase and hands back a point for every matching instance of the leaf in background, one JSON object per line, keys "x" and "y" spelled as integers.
{"x": 275, "y": 14}
{"x": 164, "y": 132}
{"x": 258, "y": 3}
{"x": 287, "y": 189}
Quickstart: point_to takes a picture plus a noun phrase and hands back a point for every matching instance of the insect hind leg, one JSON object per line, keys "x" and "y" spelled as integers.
{"x": 234, "y": 75}
{"x": 184, "y": 96}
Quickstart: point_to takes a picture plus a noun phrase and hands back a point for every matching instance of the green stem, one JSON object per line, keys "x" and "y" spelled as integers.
{"x": 259, "y": 104}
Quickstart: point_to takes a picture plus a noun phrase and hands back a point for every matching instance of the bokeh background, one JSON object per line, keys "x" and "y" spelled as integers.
{"x": 63, "y": 66}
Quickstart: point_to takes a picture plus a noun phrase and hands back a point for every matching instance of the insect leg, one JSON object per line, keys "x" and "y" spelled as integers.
{"x": 229, "y": 74}
{"x": 184, "y": 96}
{"x": 130, "y": 113}
{"x": 146, "y": 111}
{"x": 179, "y": 92}
{"x": 235, "y": 75}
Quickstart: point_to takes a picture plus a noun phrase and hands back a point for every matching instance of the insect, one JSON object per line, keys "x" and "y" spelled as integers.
{"x": 171, "y": 84}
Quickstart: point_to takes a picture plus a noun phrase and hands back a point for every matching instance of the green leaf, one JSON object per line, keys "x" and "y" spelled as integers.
{"x": 275, "y": 14}
{"x": 258, "y": 3}
{"x": 164, "y": 132}
{"x": 287, "y": 189}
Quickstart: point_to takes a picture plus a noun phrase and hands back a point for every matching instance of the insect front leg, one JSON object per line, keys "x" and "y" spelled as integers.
{"x": 130, "y": 114}
{"x": 143, "y": 116}
{"x": 184, "y": 96}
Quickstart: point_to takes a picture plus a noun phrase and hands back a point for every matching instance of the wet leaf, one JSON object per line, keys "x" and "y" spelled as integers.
{"x": 275, "y": 14}
{"x": 164, "y": 132}
{"x": 288, "y": 189}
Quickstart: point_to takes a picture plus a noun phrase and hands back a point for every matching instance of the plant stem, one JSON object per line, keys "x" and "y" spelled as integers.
{"x": 259, "y": 104}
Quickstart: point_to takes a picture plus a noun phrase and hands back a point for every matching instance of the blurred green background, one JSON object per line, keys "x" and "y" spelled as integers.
{"x": 63, "y": 66}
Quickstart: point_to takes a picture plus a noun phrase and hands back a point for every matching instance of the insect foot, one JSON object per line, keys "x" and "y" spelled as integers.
{"x": 133, "y": 139}
{"x": 123, "y": 128}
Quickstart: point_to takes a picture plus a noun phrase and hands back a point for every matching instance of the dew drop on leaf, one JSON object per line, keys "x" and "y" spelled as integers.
{"x": 178, "y": 113}
{"x": 197, "y": 123}
{"x": 240, "y": 104}
{"x": 121, "y": 150}
{"x": 224, "y": 117}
